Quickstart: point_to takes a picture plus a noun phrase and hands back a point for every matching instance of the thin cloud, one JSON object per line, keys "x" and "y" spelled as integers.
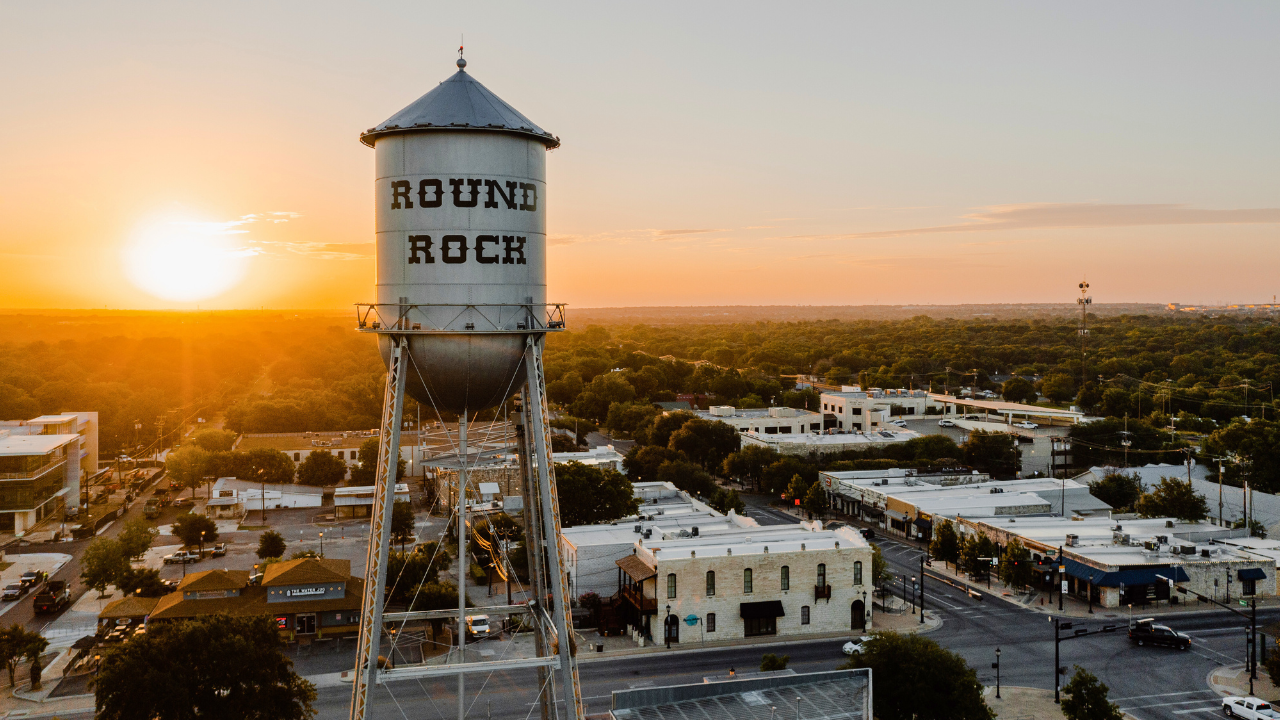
{"x": 670, "y": 233}
{"x": 321, "y": 251}
{"x": 1048, "y": 216}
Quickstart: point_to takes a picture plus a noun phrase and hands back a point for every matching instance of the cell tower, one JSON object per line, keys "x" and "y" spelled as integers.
{"x": 461, "y": 317}
{"x": 1084, "y": 301}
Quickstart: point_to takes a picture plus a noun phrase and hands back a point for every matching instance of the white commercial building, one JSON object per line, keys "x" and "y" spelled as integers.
{"x": 249, "y": 496}
{"x": 1117, "y": 562}
{"x": 602, "y": 456}
{"x": 855, "y": 409}
{"x": 829, "y": 443}
{"x": 357, "y": 501}
{"x": 765, "y": 421}
{"x": 42, "y": 463}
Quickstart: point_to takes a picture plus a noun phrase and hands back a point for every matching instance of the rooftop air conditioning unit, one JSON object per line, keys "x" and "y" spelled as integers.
{"x": 1073, "y": 540}
{"x": 1168, "y": 523}
{"x": 695, "y": 531}
{"x": 1188, "y": 549}
{"x": 1204, "y": 553}
{"x": 648, "y": 533}
{"x": 639, "y": 528}
{"x": 1120, "y": 538}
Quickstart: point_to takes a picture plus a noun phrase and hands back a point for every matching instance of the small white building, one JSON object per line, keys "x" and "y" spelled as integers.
{"x": 250, "y": 496}
{"x": 357, "y": 501}
{"x": 831, "y": 442}
{"x": 855, "y": 409}
{"x": 602, "y": 456}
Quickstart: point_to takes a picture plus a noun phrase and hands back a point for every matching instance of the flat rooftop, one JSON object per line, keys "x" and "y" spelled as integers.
{"x": 756, "y": 541}
{"x": 17, "y": 445}
{"x": 850, "y": 438}
{"x": 1003, "y": 408}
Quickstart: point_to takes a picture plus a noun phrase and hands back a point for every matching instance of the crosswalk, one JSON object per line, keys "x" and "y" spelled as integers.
{"x": 1187, "y": 703}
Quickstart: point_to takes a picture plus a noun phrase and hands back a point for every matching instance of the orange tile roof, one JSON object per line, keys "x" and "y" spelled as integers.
{"x": 306, "y": 571}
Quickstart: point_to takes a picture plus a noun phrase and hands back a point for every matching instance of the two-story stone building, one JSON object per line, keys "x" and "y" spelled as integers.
{"x": 790, "y": 580}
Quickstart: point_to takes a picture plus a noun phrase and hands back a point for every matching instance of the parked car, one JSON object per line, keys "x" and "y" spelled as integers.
{"x": 478, "y": 625}
{"x": 13, "y": 591}
{"x": 899, "y": 422}
{"x": 944, "y": 422}
{"x": 854, "y": 646}
{"x": 1146, "y": 632}
{"x": 219, "y": 550}
{"x": 53, "y": 597}
{"x": 181, "y": 558}
{"x": 972, "y": 416}
{"x": 1249, "y": 708}
{"x": 1026, "y": 425}
{"x": 868, "y": 533}
{"x": 31, "y": 578}
{"x": 184, "y": 502}
{"x": 151, "y": 510}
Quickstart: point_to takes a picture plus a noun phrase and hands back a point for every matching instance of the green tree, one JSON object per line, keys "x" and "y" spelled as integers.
{"x": 366, "y": 471}
{"x": 1085, "y": 698}
{"x": 778, "y": 474}
{"x": 270, "y": 545}
{"x": 216, "y": 667}
{"x": 642, "y": 462}
{"x": 771, "y": 662}
{"x": 590, "y": 495}
{"x": 1017, "y": 389}
{"x": 186, "y": 466}
{"x": 994, "y": 453}
{"x": 686, "y": 476}
{"x": 144, "y": 582}
{"x": 321, "y": 468}
{"x": 945, "y": 545}
{"x": 136, "y": 538}
{"x": 580, "y": 427}
{"x": 1119, "y": 490}
{"x": 1016, "y": 568}
{"x": 949, "y": 690}
{"x": 725, "y": 500}
{"x": 625, "y": 419}
{"x": 880, "y": 572}
{"x": 815, "y": 500}
{"x": 1089, "y": 396}
{"x": 1173, "y": 498}
{"x": 594, "y": 400}
{"x": 406, "y": 572}
{"x": 663, "y": 425}
{"x": 706, "y": 443}
{"x": 17, "y": 644}
{"x": 1256, "y": 447}
{"x": 1059, "y": 388}
{"x": 402, "y": 524}
{"x": 193, "y": 529}
{"x": 748, "y": 463}
{"x": 797, "y": 489}
{"x": 566, "y": 389}
{"x": 214, "y": 440}
{"x": 563, "y": 444}
{"x": 102, "y": 563}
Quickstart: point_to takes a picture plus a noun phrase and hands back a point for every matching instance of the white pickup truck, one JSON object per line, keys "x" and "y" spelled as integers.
{"x": 1249, "y": 708}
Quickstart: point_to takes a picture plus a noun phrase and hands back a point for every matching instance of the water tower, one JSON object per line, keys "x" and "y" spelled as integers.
{"x": 461, "y": 315}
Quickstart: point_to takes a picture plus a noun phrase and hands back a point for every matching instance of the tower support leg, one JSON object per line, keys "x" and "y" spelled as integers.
{"x": 375, "y": 571}
{"x": 540, "y": 435}
{"x": 464, "y": 562}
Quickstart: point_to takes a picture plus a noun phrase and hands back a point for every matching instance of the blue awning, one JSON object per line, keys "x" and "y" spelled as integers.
{"x": 1130, "y": 576}
{"x": 1251, "y": 574}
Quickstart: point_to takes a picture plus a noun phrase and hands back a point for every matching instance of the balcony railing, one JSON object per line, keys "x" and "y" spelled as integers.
{"x": 32, "y": 474}
{"x": 822, "y": 592}
{"x": 637, "y": 598}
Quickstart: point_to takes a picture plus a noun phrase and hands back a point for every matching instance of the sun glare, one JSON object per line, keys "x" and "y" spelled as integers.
{"x": 185, "y": 261}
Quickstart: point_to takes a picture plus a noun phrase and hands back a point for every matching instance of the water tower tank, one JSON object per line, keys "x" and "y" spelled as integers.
{"x": 461, "y": 197}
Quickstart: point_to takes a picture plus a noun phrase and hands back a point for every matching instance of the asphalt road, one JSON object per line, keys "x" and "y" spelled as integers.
{"x": 1149, "y": 683}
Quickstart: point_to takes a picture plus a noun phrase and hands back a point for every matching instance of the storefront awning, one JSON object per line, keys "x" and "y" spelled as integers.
{"x": 1251, "y": 574}
{"x": 636, "y": 568}
{"x": 871, "y": 512}
{"x": 924, "y": 524}
{"x": 1144, "y": 575}
{"x": 757, "y": 610}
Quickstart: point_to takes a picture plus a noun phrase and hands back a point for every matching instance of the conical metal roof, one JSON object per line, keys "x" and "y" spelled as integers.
{"x": 459, "y": 103}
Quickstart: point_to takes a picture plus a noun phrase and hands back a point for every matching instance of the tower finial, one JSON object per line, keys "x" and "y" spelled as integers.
{"x": 462, "y": 62}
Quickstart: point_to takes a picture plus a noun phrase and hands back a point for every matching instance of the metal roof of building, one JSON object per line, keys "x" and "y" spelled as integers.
{"x": 33, "y": 444}
{"x": 833, "y": 695}
{"x": 459, "y": 103}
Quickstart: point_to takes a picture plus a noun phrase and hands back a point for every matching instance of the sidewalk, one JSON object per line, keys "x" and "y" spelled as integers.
{"x": 1023, "y": 703}
{"x": 1233, "y": 680}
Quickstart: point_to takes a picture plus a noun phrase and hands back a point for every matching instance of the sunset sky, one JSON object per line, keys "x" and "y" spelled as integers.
{"x": 744, "y": 153}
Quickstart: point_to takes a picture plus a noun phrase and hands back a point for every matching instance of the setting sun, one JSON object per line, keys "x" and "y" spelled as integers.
{"x": 185, "y": 261}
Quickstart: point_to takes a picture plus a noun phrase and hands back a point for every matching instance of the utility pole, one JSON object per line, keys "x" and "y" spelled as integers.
{"x": 1084, "y": 301}
{"x": 922, "y": 588}
{"x": 1062, "y": 577}
{"x": 1058, "y": 639}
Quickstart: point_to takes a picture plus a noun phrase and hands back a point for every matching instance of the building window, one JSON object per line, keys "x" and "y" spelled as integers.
{"x": 297, "y": 456}
{"x": 760, "y": 626}
{"x": 746, "y": 581}
{"x": 711, "y": 622}
{"x": 671, "y": 585}
{"x": 341, "y": 455}
{"x": 822, "y": 574}
{"x": 1250, "y": 587}
{"x": 786, "y": 577}
{"x": 711, "y": 583}
{"x": 804, "y": 615}
{"x": 857, "y": 573}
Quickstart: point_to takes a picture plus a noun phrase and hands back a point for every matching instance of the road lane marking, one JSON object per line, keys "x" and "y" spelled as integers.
{"x": 1172, "y": 694}
{"x": 1184, "y": 712}
{"x": 1168, "y": 704}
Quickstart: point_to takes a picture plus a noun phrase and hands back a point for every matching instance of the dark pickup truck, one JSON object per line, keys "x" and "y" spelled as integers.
{"x": 1146, "y": 632}
{"x": 53, "y": 597}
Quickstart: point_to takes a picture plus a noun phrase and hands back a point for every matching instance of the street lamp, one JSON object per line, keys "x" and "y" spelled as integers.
{"x": 666, "y": 627}
{"x": 797, "y": 707}
{"x": 321, "y": 543}
{"x": 202, "y": 544}
{"x": 913, "y": 595}
{"x": 996, "y": 665}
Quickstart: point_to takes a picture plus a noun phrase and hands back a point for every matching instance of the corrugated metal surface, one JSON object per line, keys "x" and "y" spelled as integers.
{"x": 460, "y": 102}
